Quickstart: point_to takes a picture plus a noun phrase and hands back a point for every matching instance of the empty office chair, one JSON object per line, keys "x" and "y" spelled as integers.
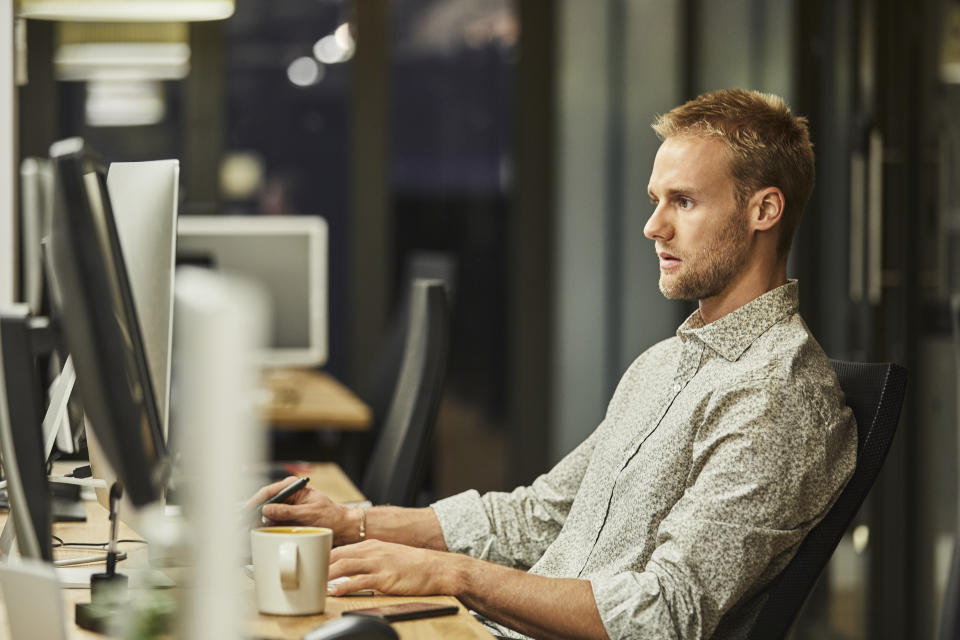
{"x": 383, "y": 374}
{"x": 400, "y": 456}
{"x": 384, "y": 371}
{"x": 875, "y": 394}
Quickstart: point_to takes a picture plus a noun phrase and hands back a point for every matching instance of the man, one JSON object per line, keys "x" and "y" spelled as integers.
{"x": 720, "y": 449}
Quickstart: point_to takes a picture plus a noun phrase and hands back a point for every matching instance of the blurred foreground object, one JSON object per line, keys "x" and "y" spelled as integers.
{"x": 220, "y": 323}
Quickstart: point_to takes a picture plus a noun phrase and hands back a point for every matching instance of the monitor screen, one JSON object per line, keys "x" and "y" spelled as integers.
{"x": 286, "y": 256}
{"x": 99, "y": 323}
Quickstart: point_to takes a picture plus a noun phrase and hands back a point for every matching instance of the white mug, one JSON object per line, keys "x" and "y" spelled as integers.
{"x": 290, "y": 569}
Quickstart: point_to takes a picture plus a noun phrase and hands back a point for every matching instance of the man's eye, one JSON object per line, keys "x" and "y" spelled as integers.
{"x": 684, "y": 203}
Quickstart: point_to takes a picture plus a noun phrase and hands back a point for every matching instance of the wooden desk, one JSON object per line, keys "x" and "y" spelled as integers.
{"x": 302, "y": 399}
{"x": 331, "y": 479}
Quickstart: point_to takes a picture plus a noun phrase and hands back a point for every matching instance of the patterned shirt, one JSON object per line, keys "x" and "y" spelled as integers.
{"x": 720, "y": 449}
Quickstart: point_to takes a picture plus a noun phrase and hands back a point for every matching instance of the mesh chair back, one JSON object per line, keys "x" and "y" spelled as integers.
{"x": 874, "y": 392}
{"x": 399, "y": 458}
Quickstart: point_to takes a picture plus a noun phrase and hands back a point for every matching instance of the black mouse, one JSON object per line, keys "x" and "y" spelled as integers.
{"x": 353, "y": 628}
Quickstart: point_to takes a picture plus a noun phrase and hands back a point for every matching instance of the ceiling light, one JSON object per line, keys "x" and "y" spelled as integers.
{"x": 121, "y": 51}
{"x": 124, "y": 104}
{"x": 304, "y": 72}
{"x": 126, "y": 10}
{"x": 344, "y": 38}
{"x": 122, "y": 61}
{"x": 335, "y": 48}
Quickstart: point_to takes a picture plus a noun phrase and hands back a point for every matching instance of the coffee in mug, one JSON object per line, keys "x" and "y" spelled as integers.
{"x": 290, "y": 567}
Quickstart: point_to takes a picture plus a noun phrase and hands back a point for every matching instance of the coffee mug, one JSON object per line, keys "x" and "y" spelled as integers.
{"x": 290, "y": 569}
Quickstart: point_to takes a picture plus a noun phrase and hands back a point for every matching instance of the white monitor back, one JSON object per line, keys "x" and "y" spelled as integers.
{"x": 287, "y": 257}
{"x": 144, "y": 196}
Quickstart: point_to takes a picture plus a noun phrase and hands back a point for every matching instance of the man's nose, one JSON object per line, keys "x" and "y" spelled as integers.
{"x": 657, "y": 225}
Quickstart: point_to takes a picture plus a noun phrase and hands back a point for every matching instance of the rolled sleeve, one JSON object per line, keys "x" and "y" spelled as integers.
{"x": 627, "y": 603}
{"x": 465, "y": 526}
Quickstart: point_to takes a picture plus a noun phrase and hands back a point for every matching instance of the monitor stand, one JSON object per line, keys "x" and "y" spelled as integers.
{"x": 56, "y": 428}
{"x": 26, "y": 441}
{"x": 56, "y": 421}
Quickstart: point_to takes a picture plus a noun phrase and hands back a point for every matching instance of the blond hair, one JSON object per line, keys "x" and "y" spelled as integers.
{"x": 768, "y": 146}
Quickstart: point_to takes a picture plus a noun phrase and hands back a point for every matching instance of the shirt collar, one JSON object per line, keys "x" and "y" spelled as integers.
{"x": 732, "y": 334}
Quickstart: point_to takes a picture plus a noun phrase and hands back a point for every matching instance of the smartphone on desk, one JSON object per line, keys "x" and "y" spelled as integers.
{"x": 406, "y": 611}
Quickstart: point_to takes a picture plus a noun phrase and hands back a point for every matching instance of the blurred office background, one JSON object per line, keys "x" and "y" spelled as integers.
{"x": 510, "y": 139}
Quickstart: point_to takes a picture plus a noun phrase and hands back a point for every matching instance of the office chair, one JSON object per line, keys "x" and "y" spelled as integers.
{"x": 874, "y": 392}
{"x": 381, "y": 377}
{"x": 399, "y": 458}
{"x": 385, "y": 370}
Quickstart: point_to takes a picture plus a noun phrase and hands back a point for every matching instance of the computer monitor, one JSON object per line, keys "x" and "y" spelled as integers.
{"x": 144, "y": 198}
{"x": 21, "y": 439}
{"x": 99, "y": 323}
{"x": 36, "y": 193}
{"x": 287, "y": 257}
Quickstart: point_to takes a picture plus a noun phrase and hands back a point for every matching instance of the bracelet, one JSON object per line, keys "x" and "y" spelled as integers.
{"x": 363, "y": 523}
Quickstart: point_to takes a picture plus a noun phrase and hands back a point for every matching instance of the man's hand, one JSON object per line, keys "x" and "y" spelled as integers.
{"x": 395, "y": 569}
{"x": 535, "y": 605}
{"x": 307, "y": 507}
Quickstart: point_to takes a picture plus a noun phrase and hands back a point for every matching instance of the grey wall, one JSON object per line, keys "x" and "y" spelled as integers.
{"x": 743, "y": 43}
{"x": 581, "y": 303}
{"x": 617, "y": 68}
{"x": 654, "y": 51}
{"x": 620, "y": 63}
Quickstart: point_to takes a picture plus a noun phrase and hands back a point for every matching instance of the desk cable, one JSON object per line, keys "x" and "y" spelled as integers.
{"x": 68, "y": 562}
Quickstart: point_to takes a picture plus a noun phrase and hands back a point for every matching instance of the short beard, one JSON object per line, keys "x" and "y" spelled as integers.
{"x": 711, "y": 269}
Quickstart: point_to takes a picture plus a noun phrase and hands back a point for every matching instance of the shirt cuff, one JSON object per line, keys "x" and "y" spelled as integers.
{"x": 632, "y": 605}
{"x": 464, "y": 523}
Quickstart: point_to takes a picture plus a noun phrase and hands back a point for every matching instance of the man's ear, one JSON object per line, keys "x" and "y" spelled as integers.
{"x": 767, "y": 209}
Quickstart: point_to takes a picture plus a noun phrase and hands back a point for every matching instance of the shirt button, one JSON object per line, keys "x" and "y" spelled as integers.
{"x": 677, "y": 387}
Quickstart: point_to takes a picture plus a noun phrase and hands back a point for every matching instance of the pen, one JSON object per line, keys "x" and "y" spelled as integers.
{"x": 288, "y": 491}
{"x": 285, "y": 493}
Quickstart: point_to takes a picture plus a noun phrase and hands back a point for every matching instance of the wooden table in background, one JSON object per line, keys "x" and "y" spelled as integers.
{"x": 330, "y": 479}
{"x": 304, "y": 399}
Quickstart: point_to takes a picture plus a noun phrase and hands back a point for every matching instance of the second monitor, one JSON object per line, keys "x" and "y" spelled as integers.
{"x": 287, "y": 256}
